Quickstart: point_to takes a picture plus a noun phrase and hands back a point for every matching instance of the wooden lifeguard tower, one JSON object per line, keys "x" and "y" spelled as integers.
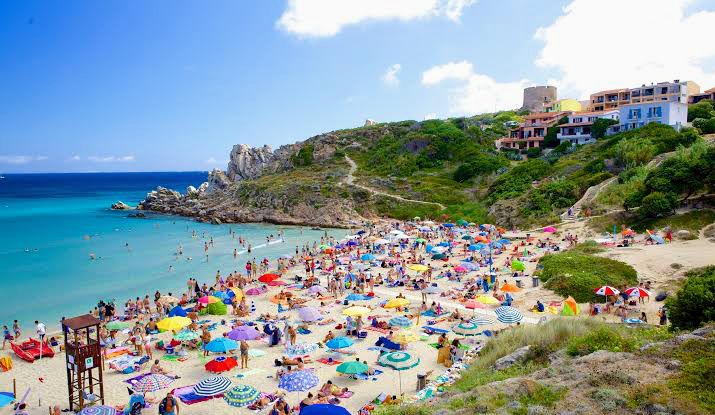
{"x": 84, "y": 361}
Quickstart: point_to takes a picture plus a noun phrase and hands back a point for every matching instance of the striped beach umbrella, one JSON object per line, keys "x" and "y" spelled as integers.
{"x": 400, "y": 321}
{"x": 98, "y": 410}
{"x": 637, "y": 292}
{"x": 399, "y": 360}
{"x": 299, "y": 381}
{"x": 241, "y": 395}
{"x": 339, "y": 342}
{"x": 508, "y": 315}
{"x": 606, "y": 290}
{"x": 481, "y": 320}
{"x": 152, "y": 383}
{"x": 186, "y": 336}
{"x": 351, "y": 367}
{"x": 212, "y": 386}
{"x": 466, "y": 329}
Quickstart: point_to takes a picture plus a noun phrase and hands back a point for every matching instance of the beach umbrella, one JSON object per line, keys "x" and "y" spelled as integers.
{"x": 400, "y": 321}
{"x": 177, "y": 312}
{"x": 418, "y": 267}
{"x": 488, "y": 300}
{"x": 213, "y": 386}
{"x": 243, "y": 333}
{"x": 276, "y": 283}
{"x": 467, "y": 237}
{"x": 460, "y": 268}
{"x": 221, "y": 296}
{"x": 254, "y": 291}
{"x": 300, "y": 381}
{"x": 510, "y": 288}
{"x": 209, "y": 299}
{"x": 570, "y": 307}
{"x": 397, "y": 303}
{"x": 448, "y": 225}
{"x": 6, "y": 398}
{"x": 398, "y": 361}
{"x": 221, "y": 345}
{"x": 217, "y": 309}
{"x": 466, "y": 329}
{"x": 152, "y": 383}
{"x": 473, "y": 304}
{"x": 420, "y": 240}
{"x": 381, "y": 241}
{"x": 469, "y": 265}
{"x": 351, "y": 368}
{"x": 317, "y": 289}
{"x": 508, "y": 315}
{"x": 404, "y": 337}
{"x": 462, "y": 222}
{"x": 474, "y": 248}
{"x": 173, "y": 323}
{"x": 481, "y": 320}
{"x": 549, "y": 229}
{"x": 324, "y": 409}
{"x": 367, "y": 257}
{"x": 268, "y": 277}
{"x": 637, "y": 292}
{"x": 309, "y": 314}
{"x": 235, "y": 292}
{"x": 340, "y": 342}
{"x": 241, "y": 395}
{"x": 98, "y": 410}
{"x": 352, "y": 243}
{"x": 186, "y": 335}
{"x": 356, "y": 297}
{"x": 432, "y": 289}
{"x": 356, "y": 310}
{"x": 439, "y": 256}
{"x": 221, "y": 364}
{"x": 606, "y": 290}
{"x": 517, "y": 265}
{"x": 168, "y": 299}
{"x": 117, "y": 325}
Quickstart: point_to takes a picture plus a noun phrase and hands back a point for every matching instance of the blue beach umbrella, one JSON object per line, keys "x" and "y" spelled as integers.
{"x": 428, "y": 248}
{"x": 324, "y": 409}
{"x": 448, "y": 225}
{"x": 221, "y": 345}
{"x": 367, "y": 257}
{"x": 6, "y": 398}
{"x": 473, "y": 248}
{"x": 299, "y": 381}
{"x": 444, "y": 243}
{"x": 339, "y": 342}
{"x": 212, "y": 386}
{"x": 177, "y": 311}
{"x": 241, "y": 395}
{"x": 356, "y": 297}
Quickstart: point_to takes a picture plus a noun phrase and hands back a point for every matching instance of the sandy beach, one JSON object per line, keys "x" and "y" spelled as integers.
{"x": 48, "y": 383}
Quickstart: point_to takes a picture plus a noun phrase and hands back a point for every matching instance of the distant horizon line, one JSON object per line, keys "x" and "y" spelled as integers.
{"x": 108, "y": 172}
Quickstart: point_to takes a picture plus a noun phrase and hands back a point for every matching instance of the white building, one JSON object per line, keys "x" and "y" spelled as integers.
{"x": 673, "y": 113}
{"x": 578, "y": 129}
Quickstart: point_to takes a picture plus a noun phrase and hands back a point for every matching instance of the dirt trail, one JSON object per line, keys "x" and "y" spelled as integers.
{"x": 350, "y": 180}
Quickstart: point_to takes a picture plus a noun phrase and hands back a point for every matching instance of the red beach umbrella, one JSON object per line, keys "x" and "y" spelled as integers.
{"x": 221, "y": 364}
{"x": 607, "y": 290}
{"x": 268, "y": 277}
{"x": 637, "y": 292}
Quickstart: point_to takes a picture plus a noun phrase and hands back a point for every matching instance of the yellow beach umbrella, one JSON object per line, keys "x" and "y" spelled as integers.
{"x": 418, "y": 267}
{"x": 404, "y": 337}
{"x": 485, "y": 299}
{"x": 173, "y": 323}
{"x": 238, "y": 293}
{"x": 356, "y": 310}
{"x": 397, "y": 303}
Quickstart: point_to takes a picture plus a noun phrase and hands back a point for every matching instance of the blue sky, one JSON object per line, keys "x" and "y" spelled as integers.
{"x": 173, "y": 85}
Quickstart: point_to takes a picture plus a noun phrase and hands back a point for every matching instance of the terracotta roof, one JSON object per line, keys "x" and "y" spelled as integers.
{"x": 81, "y": 322}
{"x": 709, "y": 91}
{"x": 594, "y": 112}
{"x": 546, "y": 115}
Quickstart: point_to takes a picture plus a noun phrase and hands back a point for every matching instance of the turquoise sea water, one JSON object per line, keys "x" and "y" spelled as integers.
{"x": 51, "y": 223}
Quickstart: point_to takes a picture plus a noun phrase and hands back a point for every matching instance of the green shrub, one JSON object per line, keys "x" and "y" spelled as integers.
{"x": 658, "y": 204}
{"x": 703, "y": 109}
{"x": 706, "y": 126}
{"x": 563, "y": 147}
{"x": 600, "y": 126}
{"x": 603, "y": 338}
{"x": 578, "y": 274}
{"x": 694, "y": 303}
{"x": 479, "y": 165}
{"x": 304, "y": 156}
{"x": 533, "y": 152}
{"x": 696, "y": 379}
{"x": 517, "y": 180}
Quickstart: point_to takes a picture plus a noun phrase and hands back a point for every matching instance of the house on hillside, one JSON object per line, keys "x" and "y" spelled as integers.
{"x": 578, "y": 129}
{"x": 566, "y": 104}
{"x": 673, "y": 113}
{"x": 707, "y": 94}
{"x": 675, "y": 91}
{"x": 531, "y": 132}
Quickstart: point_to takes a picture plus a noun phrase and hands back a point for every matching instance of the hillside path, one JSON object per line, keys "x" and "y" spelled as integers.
{"x": 350, "y": 180}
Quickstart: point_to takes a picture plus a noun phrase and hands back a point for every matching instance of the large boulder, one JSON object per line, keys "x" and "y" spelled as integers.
{"x": 247, "y": 162}
{"x": 217, "y": 181}
{"x": 121, "y": 206}
{"x": 510, "y": 360}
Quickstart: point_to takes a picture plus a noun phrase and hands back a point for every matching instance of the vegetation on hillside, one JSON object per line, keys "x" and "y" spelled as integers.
{"x": 694, "y": 303}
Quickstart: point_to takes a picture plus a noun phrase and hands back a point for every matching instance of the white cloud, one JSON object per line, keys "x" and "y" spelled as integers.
{"x": 430, "y": 116}
{"x": 390, "y": 76}
{"x": 326, "y": 18}
{"x": 476, "y": 93}
{"x": 20, "y": 159}
{"x": 606, "y": 44}
{"x": 111, "y": 159}
{"x": 459, "y": 71}
{"x": 75, "y": 158}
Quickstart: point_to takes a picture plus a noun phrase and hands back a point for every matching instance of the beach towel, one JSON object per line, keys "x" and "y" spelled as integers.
{"x": 461, "y": 346}
{"x": 303, "y": 331}
{"x": 174, "y": 358}
{"x": 187, "y": 396}
{"x": 110, "y": 353}
{"x": 430, "y": 313}
{"x": 272, "y": 398}
{"x": 328, "y": 362}
{"x": 377, "y": 329}
{"x": 136, "y": 379}
{"x": 362, "y": 376}
{"x": 431, "y": 329}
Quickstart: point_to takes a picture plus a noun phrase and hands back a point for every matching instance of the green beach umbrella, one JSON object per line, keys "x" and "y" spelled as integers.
{"x": 517, "y": 265}
{"x": 398, "y": 361}
{"x": 420, "y": 240}
{"x": 241, "y": 395}
{"x": 439, "y": 256}
{"x": 117, "y": 325}
{"x": 467, "y": 237}
{"x": 462, "y": 222}
{"x": 352, "y": 368}
{"x": 466, "y": 329}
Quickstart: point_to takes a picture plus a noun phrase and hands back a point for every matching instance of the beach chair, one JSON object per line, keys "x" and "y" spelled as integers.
{"x": 362, "y": 335}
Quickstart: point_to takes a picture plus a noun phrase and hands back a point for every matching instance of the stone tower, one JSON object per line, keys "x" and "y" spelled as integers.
{"x": 538, "y": 97}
